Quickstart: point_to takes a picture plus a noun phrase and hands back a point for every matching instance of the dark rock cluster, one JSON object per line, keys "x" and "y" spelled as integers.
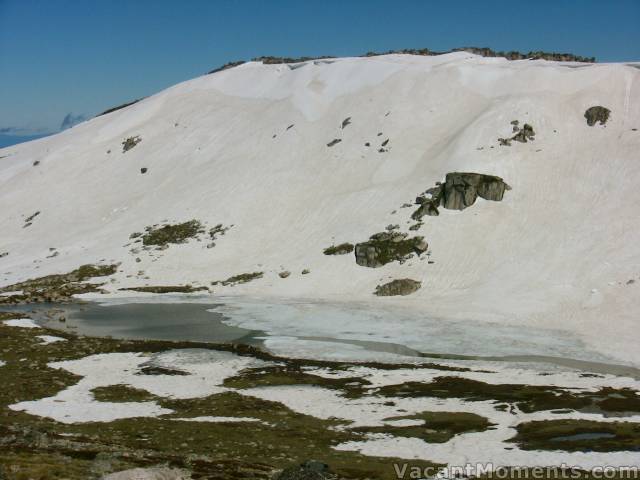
{"x": 403, "y": 286}
{"x": 522, "y": 135}
{"x": 459, "y": 191}
{"x": 597, "y": 114}
{"x": 386, "y": 247}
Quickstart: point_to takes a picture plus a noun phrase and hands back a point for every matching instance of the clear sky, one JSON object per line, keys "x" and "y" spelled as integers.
{"x": 83, "y": 56}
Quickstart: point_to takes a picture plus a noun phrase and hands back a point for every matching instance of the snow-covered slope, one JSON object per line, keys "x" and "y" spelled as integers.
{"x": 558, "y": 251}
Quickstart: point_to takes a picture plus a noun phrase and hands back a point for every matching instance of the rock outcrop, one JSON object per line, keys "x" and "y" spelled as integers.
{"x": 341, "y": 249}
{"x": 386, "y": 247}
{"x": 402, "y": 286}
{"x": 597, "y": 114}
{"x": 522, "y": 135}
{"x": 461, "y": 189}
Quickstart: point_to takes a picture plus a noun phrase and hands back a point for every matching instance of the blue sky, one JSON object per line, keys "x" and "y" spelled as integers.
{"x": 78, "y": 56}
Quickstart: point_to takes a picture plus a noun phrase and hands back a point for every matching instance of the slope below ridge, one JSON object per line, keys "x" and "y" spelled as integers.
{"x": 248, "y": 147}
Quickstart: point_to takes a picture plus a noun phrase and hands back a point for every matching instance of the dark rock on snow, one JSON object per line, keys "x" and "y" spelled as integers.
{"x": 386, "y": 247}
{"x": 403, "y": 286}
{"x": 597, "y": 114}
{"x": 462, "y": 189}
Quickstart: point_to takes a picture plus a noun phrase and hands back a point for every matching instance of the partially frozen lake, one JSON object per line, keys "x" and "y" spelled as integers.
{"x": 325, "y": 331}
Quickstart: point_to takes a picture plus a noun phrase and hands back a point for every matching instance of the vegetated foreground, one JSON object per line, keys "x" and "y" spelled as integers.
{"x": 80, "y": 407}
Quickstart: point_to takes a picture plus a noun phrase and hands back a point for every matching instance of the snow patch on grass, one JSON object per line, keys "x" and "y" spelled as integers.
{"x": 21, "y": 323}
{"x": 207, "y": 371}
{"x": 48, "y": 339}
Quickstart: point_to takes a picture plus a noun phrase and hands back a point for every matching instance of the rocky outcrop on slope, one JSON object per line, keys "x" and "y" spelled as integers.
{"x": 402, "y": 286}
{"x": 429, "y": 202}
{"x": 58, "y": 288}
{"x": 161, "y": 236}
{"x": 239, "y": 279}
{"x": 341, "y": 249}
{"x": 386, "y": 247}
{"x": 487, "y": 52}
{"x": 130, "y": 142}
{"x": 459, "y": 191}
{"x": 522, "y": 135}
{"x": 597, "y": 114}
{"x": 119, "y": 107}
{"x": 425, "y": 52}
{"x": 165, "y": 289}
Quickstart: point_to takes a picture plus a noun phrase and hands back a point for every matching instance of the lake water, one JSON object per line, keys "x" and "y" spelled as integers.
{"x": 323, "y": 331}
{"x": 145, "y": 321}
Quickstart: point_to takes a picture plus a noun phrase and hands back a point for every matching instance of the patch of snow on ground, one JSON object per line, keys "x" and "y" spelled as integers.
{"x": 21, "y": 323}
{"x": 218, "y": 419}
{"x": 207, "y": 370}
{"x": 48, "y": 339}
{"x": 477, "y": 447}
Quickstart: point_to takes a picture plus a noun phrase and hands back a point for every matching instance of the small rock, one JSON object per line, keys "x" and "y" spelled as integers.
{"x": 306, "y": 271}
{"x": 404, "y": 286}
{"x": 284, "y": 274}
{"x": 334, "y": 142}
{"x": 143, "y": 170}
{"x": 597, "y": 114}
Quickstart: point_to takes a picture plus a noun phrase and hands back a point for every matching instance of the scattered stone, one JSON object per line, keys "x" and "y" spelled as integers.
{"x": 130, "y": 142}
{"x": 29, "y": 220}
{"x": 391, "y": 227}
{"x": 309, "y": 470}
{"x": 521, "y": 135}
{"x": 144, "y": 170}
{"x": 403, "y": 286}
{"x": 367, "y": 144}
{"x": 306, "y": 271}
{"x": 334, "y": 142}
{"x": 386, "y": 247}
{"x": 290, "y": 127}
{"x": 36, "y": 163}
{"x": 384, "y": 144}
{"x": 341, "y": 249}
{"x": 416, "y": 226}
{"x": 4, "y": 254}
{"x": 345, "y": 122}
{"x": 218, "y": 230}
{"x": 631, "y": 282}
{"x": 597, "y": 114}
{"x": 284, "y": 274}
